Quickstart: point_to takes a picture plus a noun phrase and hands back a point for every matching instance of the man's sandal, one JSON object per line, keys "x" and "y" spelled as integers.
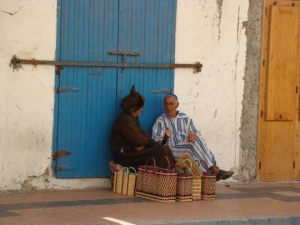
{"x": 223, "y": 175}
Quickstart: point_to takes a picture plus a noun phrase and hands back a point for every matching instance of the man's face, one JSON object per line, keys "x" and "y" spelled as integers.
{"x": 138, "y": 112}
{"x": 171, "y": 105}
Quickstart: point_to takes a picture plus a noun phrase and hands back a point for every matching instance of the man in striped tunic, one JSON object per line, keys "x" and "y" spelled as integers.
{"x": 176, "y": 130}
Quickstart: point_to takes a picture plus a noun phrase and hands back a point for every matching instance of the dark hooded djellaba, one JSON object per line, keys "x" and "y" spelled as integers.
{"x": 131, "y": 145}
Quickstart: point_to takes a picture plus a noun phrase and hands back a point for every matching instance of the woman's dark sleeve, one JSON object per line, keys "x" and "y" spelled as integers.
{"x": 133, "y": 133}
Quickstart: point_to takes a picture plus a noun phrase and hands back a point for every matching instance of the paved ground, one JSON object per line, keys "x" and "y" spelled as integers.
{"x": 235, "y": 203}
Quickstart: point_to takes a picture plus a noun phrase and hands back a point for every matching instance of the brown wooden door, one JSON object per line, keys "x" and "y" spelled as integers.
{"x": 278, "y": 131}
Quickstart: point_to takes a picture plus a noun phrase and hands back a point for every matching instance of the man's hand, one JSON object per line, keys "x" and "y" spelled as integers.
{"x": 192, "y": 137}
{"x": 139, "y": 148}
{"x": 168, "y": 133}
{"x": 166, "y": 136}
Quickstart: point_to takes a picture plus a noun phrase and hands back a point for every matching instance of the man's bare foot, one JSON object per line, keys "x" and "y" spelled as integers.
{"x": 114, "y": 167}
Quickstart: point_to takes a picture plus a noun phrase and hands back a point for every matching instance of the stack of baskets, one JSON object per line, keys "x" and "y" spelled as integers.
{"x": 187, "y": 164}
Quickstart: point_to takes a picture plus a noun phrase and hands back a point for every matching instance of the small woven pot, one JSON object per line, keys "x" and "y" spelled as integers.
{"x": 184, "y": 187}
{"x": 208, "y": 186}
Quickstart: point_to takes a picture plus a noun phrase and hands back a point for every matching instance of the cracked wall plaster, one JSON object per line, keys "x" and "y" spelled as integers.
{"x": 11, "y": 13}
{"x": 251, "y": 92}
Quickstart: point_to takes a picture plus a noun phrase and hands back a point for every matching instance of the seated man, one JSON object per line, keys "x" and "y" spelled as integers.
{"x": 130, "y": 144}
{"x": 176, "y": 130}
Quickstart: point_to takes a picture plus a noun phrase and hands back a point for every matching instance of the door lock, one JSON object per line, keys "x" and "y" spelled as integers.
{"x": 124, "y": 54}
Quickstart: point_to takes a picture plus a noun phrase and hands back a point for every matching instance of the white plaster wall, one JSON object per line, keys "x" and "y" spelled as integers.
{"x": 27, "y": 97}
{"x": 209, "y": 31}
{"x": 212, "y": 32}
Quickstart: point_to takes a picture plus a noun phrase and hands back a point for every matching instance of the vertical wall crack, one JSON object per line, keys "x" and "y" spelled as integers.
{"x": 219, "y": 16}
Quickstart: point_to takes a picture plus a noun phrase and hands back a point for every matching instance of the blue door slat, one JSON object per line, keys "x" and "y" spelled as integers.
{"x": 88, "y": 29}
{"x": 155, "y": 39}
{"x": 101, "y": 86}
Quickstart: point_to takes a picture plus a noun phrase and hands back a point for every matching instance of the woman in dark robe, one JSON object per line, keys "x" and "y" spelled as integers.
{"x": 130, "y": 145}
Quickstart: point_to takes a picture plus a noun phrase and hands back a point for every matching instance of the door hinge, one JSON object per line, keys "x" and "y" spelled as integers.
{"x": 263, "y": 63}
{"x": 294, "y": 165}
{"x": 60, "y": 153}
{"x": 58, "y": 68}
{"x": 63, "y": 168}
{"x": 296, "y": 89}
{"x": 261, "y": 113}
{"x": 266, "y": 11}
{"x": 259, "y": 165}
{"x": 66, "y": 89}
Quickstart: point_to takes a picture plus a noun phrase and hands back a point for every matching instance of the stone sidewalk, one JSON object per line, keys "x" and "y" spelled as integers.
{"x": 236, "y": 203}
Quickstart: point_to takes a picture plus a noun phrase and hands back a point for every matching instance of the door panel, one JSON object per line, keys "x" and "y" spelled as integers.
{"x": 153, "y": 39}
{"x": 278, "y": 124}
{"x": 72, "y": 120}
{"x": 91, "y": 96}
{"x": 277, "y": 148}
{"x": 281, "y": 79}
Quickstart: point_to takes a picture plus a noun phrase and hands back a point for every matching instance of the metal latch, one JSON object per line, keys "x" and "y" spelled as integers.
{"x": 124, "y": 54}
{"x": 66, "y": 89}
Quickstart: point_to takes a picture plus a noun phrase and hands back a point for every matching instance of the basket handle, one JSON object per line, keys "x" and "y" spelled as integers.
{"x": 191, "y": 164}
{"x": 168, "y": 161}
{"x": 124, "y": 168}
{"x": 154, "y": 163}
{"x": 197, "y": 160}
{"x": 132, "y": 168}
{"x": 203, "y": 161}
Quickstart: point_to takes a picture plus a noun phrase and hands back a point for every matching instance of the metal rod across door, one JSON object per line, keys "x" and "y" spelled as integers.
{"x": 16, "y": 63}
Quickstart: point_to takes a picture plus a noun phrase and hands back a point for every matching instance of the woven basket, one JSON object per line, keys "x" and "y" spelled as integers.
{"x": 184, "y": 187}
{"x": 208, "y": 186}
{"x": 129, "y": 182}
{"x": 118, "y": 180}
{"x": 124, "y": 181}
{"x": 197, "y": 181}
{"x": 196, "y": 188}
{"x": 156, "y": 183}
{"x": 146, "y": 178}
{"x": 192, "y": 165}
{"x": 140, "y": 178}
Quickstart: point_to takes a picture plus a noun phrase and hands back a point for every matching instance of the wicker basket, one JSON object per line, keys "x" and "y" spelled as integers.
{"x": 156, "y": 183}
{"x": 208, "y": 186}
{"x": 196, "y": 188}
{"x": 129, "y": 185}
{"x": 197, "y": 181}
{"x": 184, "y": 187}
{"x": 118, "y": 180}
{"x": 124, "y": 181}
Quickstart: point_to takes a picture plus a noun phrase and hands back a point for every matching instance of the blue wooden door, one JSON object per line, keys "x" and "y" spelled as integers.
{"x": 88, "y": 98}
